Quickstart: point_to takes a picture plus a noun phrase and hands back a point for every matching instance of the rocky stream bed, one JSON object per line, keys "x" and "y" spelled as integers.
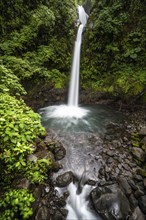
{"x": 121, "y": 176}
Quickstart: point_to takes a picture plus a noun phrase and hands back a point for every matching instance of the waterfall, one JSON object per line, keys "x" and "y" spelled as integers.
{"x": 74, "y": 82}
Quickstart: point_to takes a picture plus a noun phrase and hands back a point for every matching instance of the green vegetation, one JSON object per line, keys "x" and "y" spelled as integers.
{"x": 39, "y": 44}
{"x": 17, "y": 204}
{"x": 114, "y": 48}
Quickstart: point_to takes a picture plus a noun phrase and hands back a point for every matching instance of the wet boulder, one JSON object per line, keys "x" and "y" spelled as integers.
{"x": 64, "y": 179}
{"x": 137, "y": 215}
{"x": 59, "y": 152}
{"x": 142, "y": 203}
{"x": 110, "y": 202}
{"x": 138, "y": 153}
{"x": 142, "y": 132}
{"x": 42, "y": 213}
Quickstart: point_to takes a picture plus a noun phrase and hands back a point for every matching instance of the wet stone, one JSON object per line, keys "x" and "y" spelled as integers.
{"x": 132, "y": 184}
{"x": 91, "y": 182}
{"x": 107, "y": 176}
{"x": 125, "y": 186}
{"x": 107, "y": 169}
{"x": 125, "y": 139}
{"x": 138, "y": 153}
{"x": 137, "y": 215}
{"x": 143, "y": 140}
{"x": 58, "y": 215}
{"x": 104, "y": 198}
{"x": 128, "y": 174}
{"x": 21, "y": 183}
{"x": 138, "y": 193}
{"x": 126, "y": 167}
{"x": 138, "y": 177}
{"x": 42, "y": 213}
{"x": 102, "y": 171}
{"x": 110, "y": 153}
{"x": 110, "y": 160}
{"x": 143, "y": 131}
{"x": 142, "y": 203}
{"x": 133, "y": 201}
{"x": 117, "y": 170}
{"x": 64, "y": 179}
{"x": 59, "y": 153}
{"x": 120, "y": 166}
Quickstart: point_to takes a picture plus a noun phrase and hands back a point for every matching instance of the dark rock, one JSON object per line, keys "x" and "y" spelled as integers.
{"x": 37, "y": 191}
{"x": 138, "y": 177}
{"x": 91, "y": 182}
{"x": 126, "y": 167}
{"x": 132, "y": 184}
{"x": 107, "y": 176}
{"x": 107, "y": 169}
{"x": 110, "y": 153}
{"x": 43, "y": 154}
{"x": 143, "y": 140}
{"x": 58, "y": 215}
{"x": 117, "y": 170}
{"x": 142, "y": 203}
{"x": 133, "y": 201}
{"x": 56, "y": 167}
{"x": 110, "y": 202}
{"x": 105, "y": 183}
{"x": 110, "y": 160}
{"x": 41, "y": 145}
{"x": 138, "y": 193}
{"x": 42, "y": 213}
{"x": 125, "y": 139}
{"x": 142, "y": 132}
{"x": 137, "y": 215}
{"x": 102, "y": 171}
{"x": 125, "y": 185}
{"x": 60, "y": 202}
{"x": 138, "y": 153}
{"x": 21, "y": 183}
{"x": 64, "y": 179}
{"x": 59, "y": 153}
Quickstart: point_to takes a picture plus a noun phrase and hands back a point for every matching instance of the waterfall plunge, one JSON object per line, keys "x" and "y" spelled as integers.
{"x": 77, "y": 204}
{"x": 74, "y": 82}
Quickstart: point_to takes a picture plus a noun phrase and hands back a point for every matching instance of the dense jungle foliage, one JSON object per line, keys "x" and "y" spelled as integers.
{"x": 36, "y": 45}
{"x": 114, "y": 50}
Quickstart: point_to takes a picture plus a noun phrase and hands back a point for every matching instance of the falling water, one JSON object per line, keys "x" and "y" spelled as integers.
{"x": 77, "y": 204}
{"x": 74, "y": 83}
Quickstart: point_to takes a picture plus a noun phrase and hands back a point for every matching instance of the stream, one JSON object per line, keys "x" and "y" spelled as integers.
{"x": 80, "y": 132}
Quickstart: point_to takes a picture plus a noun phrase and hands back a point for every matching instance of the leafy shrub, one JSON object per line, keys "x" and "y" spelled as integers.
{"x": 16, "y": 204}
{"x": 19, "y": 67}
{"x": 9, "y": 83}
{"x": 19, "y": 128}
{"x": 37, "y": 171}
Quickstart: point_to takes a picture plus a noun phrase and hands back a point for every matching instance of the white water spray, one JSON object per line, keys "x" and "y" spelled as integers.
{"x": 74, "y": 82}
{"x": 77, "y": 204}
